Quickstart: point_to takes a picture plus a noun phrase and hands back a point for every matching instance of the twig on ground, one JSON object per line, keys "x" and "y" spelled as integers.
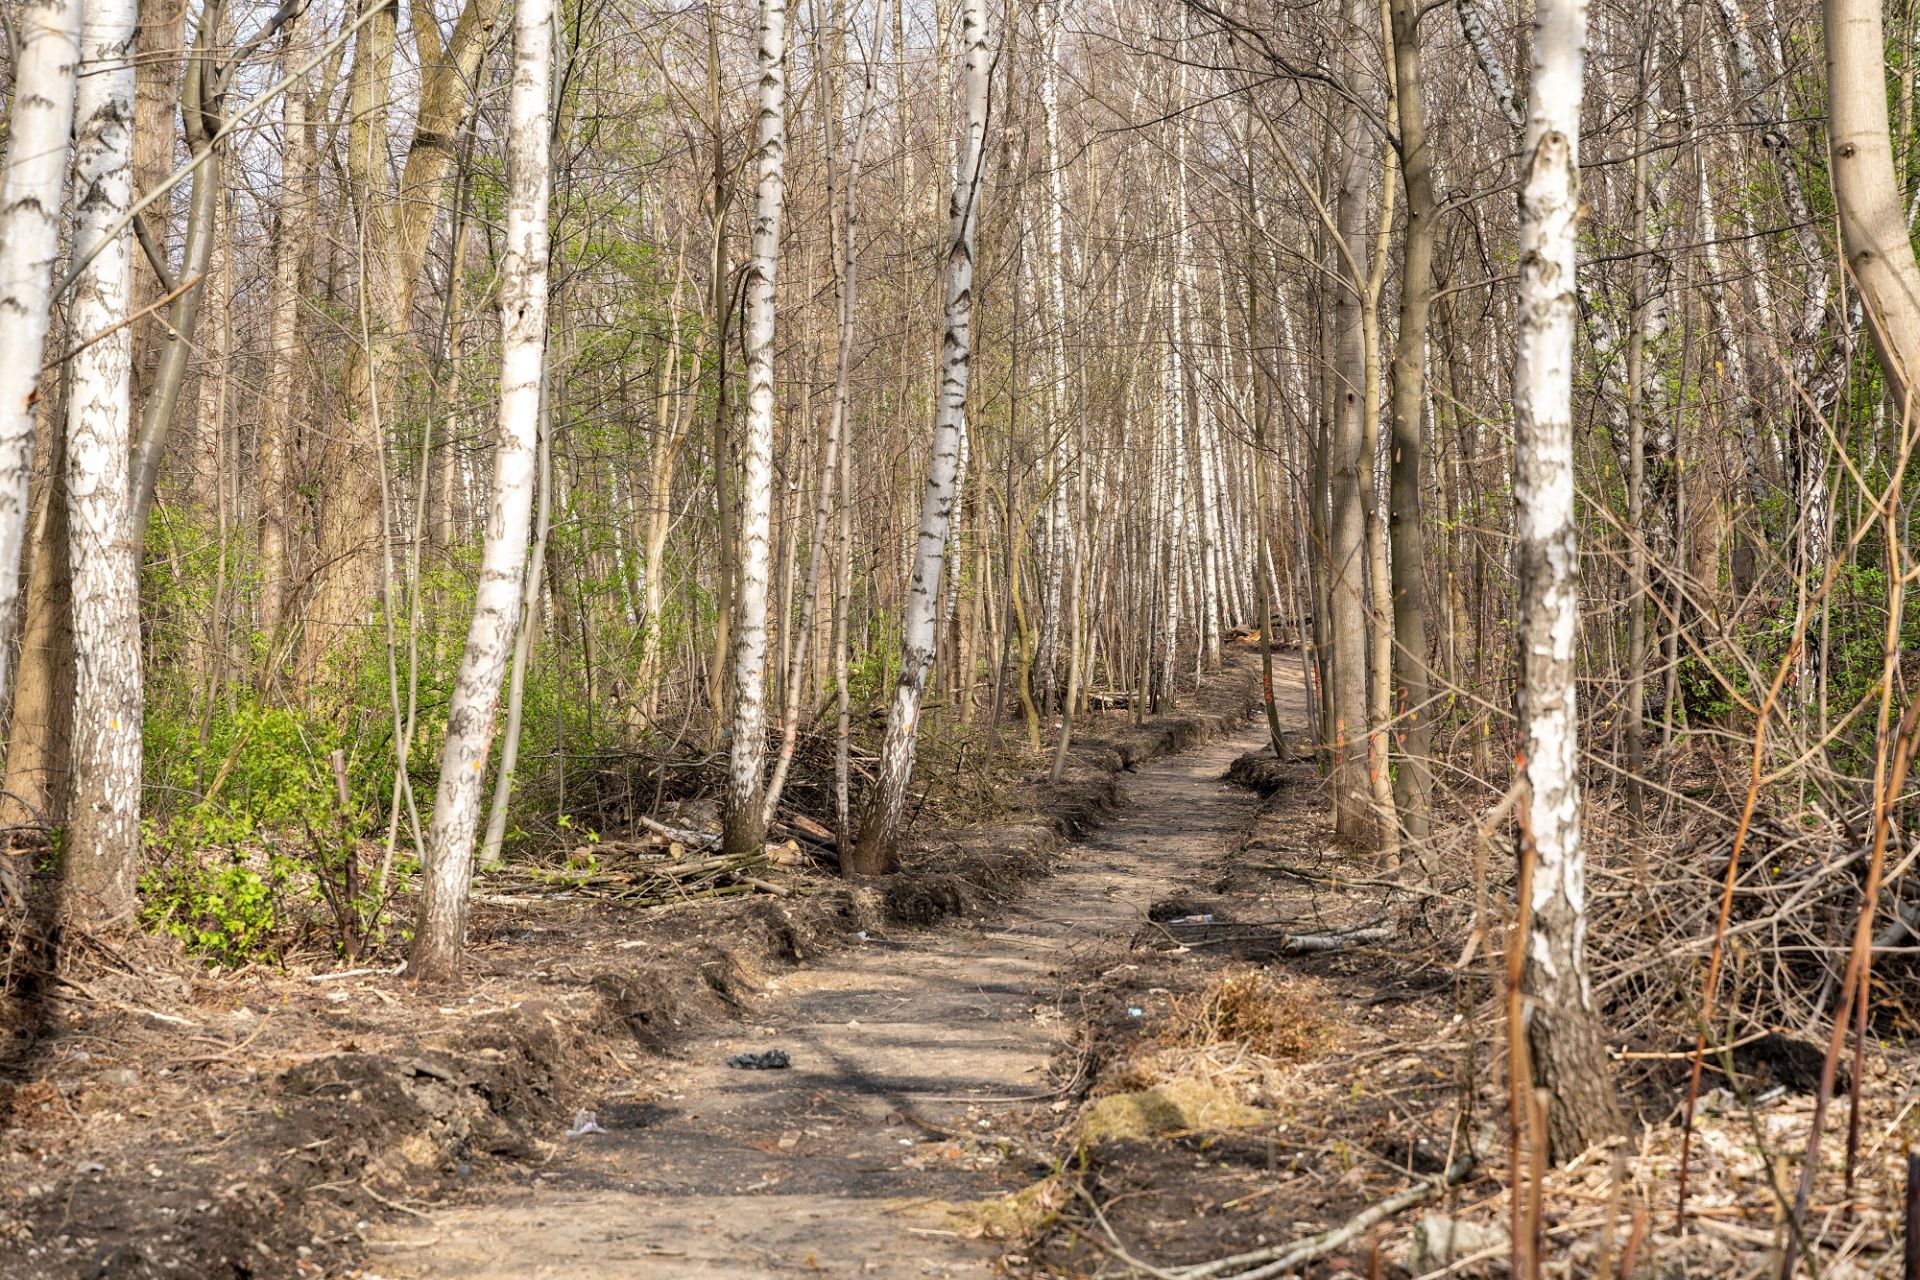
{"x": 1283, "y": 1258}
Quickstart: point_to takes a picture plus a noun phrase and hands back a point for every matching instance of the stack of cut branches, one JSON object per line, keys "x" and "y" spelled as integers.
{"x": 666, "y": 865}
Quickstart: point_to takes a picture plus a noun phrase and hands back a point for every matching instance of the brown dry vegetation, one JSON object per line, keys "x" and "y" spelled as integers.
{"x": 1374, "y": 1068}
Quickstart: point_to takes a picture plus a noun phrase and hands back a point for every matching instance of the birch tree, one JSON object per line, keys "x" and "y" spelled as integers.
{"x": 442, "y": 927}
{"x": 103, "y": 830}
{"x": 745, "y": 823}
{"x": 1873, "y": 227}
{"x": 879, "y": 826}
{"x": 30, "y": 205}
{"x": 1562, "y": 1034}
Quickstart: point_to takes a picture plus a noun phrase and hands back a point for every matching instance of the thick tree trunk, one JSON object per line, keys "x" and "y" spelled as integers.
{"x": 101, "y": 854}
{"x": 441, "y": 931}
{"x": 1873, "y": 226}
{"x": 879, "y": 827}
{"x": 1563, "y": 1033}
{"x": 744, "y": 820}
{"x": 31, "y": 191}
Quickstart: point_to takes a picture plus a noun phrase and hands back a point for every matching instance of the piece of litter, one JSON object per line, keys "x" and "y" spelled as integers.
{"x": 583, "y": 1123}
{"x": 862, "y": 935}
{"x": 771, "y": 1060}
{"x": 1133, "y": 1012}
{"x": 1207, "y": 919}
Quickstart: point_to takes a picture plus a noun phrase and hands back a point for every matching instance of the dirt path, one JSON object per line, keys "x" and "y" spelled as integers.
{"x": 897, "y": 1047}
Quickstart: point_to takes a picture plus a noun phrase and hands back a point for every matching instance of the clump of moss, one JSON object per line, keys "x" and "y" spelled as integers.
{"x": 1186, "y": 1105}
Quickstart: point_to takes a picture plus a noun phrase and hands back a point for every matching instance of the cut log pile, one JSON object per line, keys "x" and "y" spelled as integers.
{"x": 665, "y": 865}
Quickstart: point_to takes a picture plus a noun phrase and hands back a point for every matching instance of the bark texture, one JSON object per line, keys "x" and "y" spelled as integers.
{"x": 1563, "y": 1035}
{"x": 1873, "y": 226}
{"x": 103, "y": 830}
{"x": 31, "y": 190}
{"x": 745, "y": 824}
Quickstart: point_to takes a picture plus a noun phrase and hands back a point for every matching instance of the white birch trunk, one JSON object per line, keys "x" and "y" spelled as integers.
{"x": 442, "y": 926}
{"x": 103, "y": 832}
{"x": 880, "y": 825}
{"x": 744, "y": 820}
{"x": 1060, "y": 458}
{"x": 31, "y": 197}
{"x": 1564, "y": 1038}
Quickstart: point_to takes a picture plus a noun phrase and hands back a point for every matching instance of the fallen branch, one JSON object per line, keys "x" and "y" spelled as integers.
{"x": 1283, "y": 1258}
{"x": 692, "y": 839}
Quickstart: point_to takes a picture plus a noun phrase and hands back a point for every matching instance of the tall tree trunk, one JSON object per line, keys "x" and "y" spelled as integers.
{"x": 31, "y": 191}
{"x": 495, "y": 838}
{"x": 721, "y": 303}
{"x": 200, "y": 95}
{"x": 1873, "y": 226}
{"x": 160, "y": 53}
{"x": 441, "y": 932}
{"x": 1413, "y": 783}
{"x": 279, "y": 413}
{"x": 398, "y": 217}
{"x": 1562, "y": 1031}
{"x": 848, "y": 273}
{"x": 101, "y": 854}
{"x": 1349, "y": 473}
{"x": 873, "y": 853}
{"x": 1638, "y": 560}
{"x": 33, "y": 798}
{"x": 744, "y": 821}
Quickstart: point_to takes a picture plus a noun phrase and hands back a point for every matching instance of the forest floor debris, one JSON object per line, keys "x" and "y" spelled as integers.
{"x": 1387, "y": 1069}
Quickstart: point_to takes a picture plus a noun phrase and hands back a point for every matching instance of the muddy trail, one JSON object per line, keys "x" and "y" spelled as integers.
{"x": 917, "y": 1060}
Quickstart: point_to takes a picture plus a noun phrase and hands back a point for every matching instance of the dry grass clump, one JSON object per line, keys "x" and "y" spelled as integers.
{"x": 1246, "y": 1006}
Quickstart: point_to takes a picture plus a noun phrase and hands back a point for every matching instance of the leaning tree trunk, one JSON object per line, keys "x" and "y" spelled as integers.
{"x": 873, "y": 852}
{"x": 523, "y": 349}
{"x": 1873, "y": 226}
{"x": 745, "y": 824}
{"x": 1563, "y": 1036}
{"x": 30, "y": 202}
{"x": 103, "y": 829}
